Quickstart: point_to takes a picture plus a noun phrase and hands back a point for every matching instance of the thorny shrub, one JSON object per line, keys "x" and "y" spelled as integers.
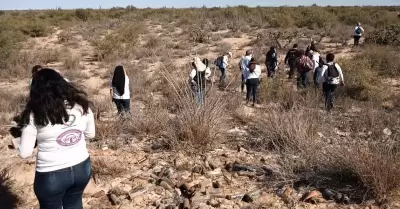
{"x": 8, "y": 197}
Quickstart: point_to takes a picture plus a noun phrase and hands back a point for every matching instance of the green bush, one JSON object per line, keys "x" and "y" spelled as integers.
{"x": 386, "y": 35}
{"x": 83, "y": 14}
{"x": 35, "y": 29}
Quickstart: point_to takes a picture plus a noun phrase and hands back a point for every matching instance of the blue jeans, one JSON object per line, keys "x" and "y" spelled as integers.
{"x": 329, "y": 89}
{"x": 302, "y": 80}
{"x": 62, "y": 188}
{"x": 317, "y": 72}
{"x": 123, "y": 105}
{"x": 223, "y": 74}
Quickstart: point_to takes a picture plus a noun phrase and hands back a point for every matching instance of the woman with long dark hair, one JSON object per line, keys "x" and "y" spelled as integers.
{"x": 120, "y": 91}
{"x": 58, "y": 117}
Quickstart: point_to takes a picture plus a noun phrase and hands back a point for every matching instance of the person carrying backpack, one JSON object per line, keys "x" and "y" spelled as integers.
{"x": 271, "y": 61}
{"x": 290, "y": 60}
{"x": 243, "y": 65}
{"x": 222, "y": 63}
{"x": 304, "y": 66}
{"x": 311, "y": 47}
{"x": 198, "y": 78}
{"x": 252, "y": 81}
{"x": 358, "y": 31}
{"x": 331, "y": 77}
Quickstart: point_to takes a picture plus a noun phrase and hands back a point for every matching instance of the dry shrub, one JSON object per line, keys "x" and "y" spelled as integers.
{"x": 10, "y": 104}
{"x": 71, "y": 62}
{"x": 194, "y": 127}
{"x": 153, "y": 42}
{"x": 8, "y": 199}
{"x": 103, "y": 168}
{"x": 64, "y": 36}
{"x": 385, "y": 35}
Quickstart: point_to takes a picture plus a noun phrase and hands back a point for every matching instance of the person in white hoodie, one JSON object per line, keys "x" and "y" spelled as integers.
{"x": 317, "y": 65}
{"x": 252, "y": 76}
{"x": 331, "y": 77}
{"x": 244, "y": 66}
{"x": 57, "y": 116}
{"x": 198, "y": 78}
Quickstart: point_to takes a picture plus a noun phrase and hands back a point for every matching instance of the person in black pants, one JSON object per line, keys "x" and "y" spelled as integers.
{"x": 331, "y": 77}
{"x": 252, "y": 81}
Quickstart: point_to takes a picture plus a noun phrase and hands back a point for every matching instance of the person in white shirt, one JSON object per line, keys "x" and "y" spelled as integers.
{"x": 331, "y": 77}
{"x": 243, "y": 64}
{"x": 57, "y": 116}
{"x": 317, "y": 65}
{"x": 222, "y": 64}
{"x": 252, "y": 76}
{"x": 199, "y": 76}
{"x": 120, "y": 90}
{"x": 358, "y": 31}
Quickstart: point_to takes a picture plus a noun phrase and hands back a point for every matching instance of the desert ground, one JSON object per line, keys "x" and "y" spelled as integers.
{"x": 284, "y": 153}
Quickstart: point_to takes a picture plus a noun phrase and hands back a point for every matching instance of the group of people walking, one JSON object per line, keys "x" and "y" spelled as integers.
{"x": 57, "y": 117}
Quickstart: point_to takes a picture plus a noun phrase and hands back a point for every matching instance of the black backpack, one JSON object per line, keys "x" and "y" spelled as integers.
{"x": 219, "y": 61}
{"x": 200, "y": 78}
{"x": 332, "y": 72}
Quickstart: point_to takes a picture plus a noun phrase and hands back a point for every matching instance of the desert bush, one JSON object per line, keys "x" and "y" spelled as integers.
{"x": 8, "y": 199}
{"x": 71, "y": 61}
{"x": 107, "y": 46}
{"x": 83, "y": 14}
{"x": 35, "y": 29}
{"x": 199, "y": 35}
{"x": 103, "y": 168}
{"x": 385, "y": 35}
{"x": 64, "y": 36}
{"x": 153, "y": 42}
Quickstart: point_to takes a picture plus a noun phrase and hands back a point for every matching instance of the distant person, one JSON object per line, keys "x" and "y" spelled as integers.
{"x": 120, "y": 91}
{"x": 331, "y": 77}
{"x": 252, "y": 81}
{"x": 290, "y": 60}
{"x": 244, "y": 67}
{"x": 304, "y": 65}
{"x": 222, "y": 63}
{"x": 35, "y": 69}
{"x": 57, "y": 116}
{"x": 358, "y": 31}
{"x": 271, "y": 61}
{"x": 199, "y": 75}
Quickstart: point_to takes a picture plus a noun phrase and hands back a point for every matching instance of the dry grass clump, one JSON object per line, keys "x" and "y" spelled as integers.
{"x": 8, "y": 197}
{"x": 103, "y": 168}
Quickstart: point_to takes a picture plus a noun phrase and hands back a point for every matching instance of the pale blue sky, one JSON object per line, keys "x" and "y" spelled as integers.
{"x": 70, "y": 4}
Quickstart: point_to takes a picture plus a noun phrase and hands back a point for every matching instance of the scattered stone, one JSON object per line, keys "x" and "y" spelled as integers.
{"x": 99, "y": 194}
{"x": 251, "y": 196}
{"x": 387, "y": 132}
{"x": 216, "y": 184}
{"x": 214, "y": 203}
{"x": 166, "y": 186}
{"x": 114, "y": 200}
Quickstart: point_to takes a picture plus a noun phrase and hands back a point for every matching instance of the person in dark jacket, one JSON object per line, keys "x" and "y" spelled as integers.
{"x": 271, "y": 61}
{"x": 290, "y": 60}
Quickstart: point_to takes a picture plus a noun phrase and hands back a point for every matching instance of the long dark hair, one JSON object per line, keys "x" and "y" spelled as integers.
{"x": 118, "y": 80}
{"x": 49, "y": 98}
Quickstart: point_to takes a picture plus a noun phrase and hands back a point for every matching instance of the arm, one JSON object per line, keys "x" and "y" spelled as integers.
{"x": 321, "y": 78}
{"x": 90, "y": 131}
{"x": 208, "y": 73}
{"x": 340, "y": 74}
{"x": 192, "y": 74}
{"x": 27, "y": 142}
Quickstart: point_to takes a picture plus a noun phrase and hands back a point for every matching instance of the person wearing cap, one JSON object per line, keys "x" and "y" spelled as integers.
{"x": 252, "y": 76}
{"x": 271, "y": 61}
{"x": 243, "y": 65}
{"x": 358, "y": 31}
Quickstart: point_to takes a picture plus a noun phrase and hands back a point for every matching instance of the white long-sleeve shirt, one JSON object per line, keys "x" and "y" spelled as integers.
{"x": 315, "y": 59}
{"x": 127, "y": 92}
{"x": 59, "y": 146}
{"x": 255, "y": 74}
{"x": 324, "y": 74}
{"x": 194, "y": 72}
{"x": 225, "y": 60}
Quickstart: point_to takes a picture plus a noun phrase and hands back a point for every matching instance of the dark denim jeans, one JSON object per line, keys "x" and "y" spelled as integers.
{"x": 123, "y": 105}
{"x": 328, "y": 92}
{"x": 62, "y": 188}
{"x": 302, "y": 81}
{"x": 251, "y": 87}
{"x": 223, "y": 75}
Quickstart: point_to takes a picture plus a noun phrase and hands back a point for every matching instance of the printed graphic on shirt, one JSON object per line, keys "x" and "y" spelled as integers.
{"x": 69, "y": 138}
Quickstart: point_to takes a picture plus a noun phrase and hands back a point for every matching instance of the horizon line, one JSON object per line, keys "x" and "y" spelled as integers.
{"x": 204, "y": 6}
